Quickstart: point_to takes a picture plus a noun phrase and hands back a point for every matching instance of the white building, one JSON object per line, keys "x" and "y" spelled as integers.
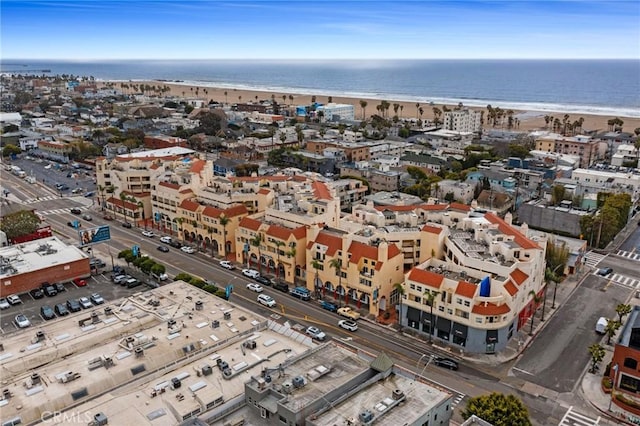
{"x": 463, "y": 120}
{"x": 625, "y": 154}
{"x": 336, "y": 112}
{"x": 10, "y": 118}
{"x": 595, "y": 181}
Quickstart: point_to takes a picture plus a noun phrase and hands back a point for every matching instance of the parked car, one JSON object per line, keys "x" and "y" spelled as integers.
{"x": 76, "y": 210}
{"x": 301, "y": 293}
{"x": 148, "y": 234}
{"x": 119, "y": 279}
{"x": 255, "y": 287}
{"x": 227, "y": 265}
{"x": 96, "y": 299}
{"x": 187, "y": 249}
{"x": 126, "y": 225}
{"x": 263, "y": 280}
{"x": 282, "y": 286}
{"x": 37, "y": 293}
{"x": 160, "y": 277}
{"x": 85, "y": 303}
{"x": 61, "y": 310}
{"x": 446, "y": 363}
{"x": 131, "y": 283}
{"x": 251, "y": 273}
{"x": 49, "y": 290}
{"x": 348, "y": 325}
{"x": 604, "y": 271}
{"x": 14, "y": 299}
{"x": 46, "y": 312}
{"x": 316, "y": 333}
{"x": 59, "y": 287}
{"x": 349, "y": 313}
{"x": 163, "y": 249}
{"x": 176, "y": 244}
{"x": 267, "y": 300}
{"x": 107, "y": 217}
{"x": 4, "y": 304}
{"x": 22, "y": 321}
{"x": 73, "y": 305}
{"x": 331, "y": 307}
{"x": 87, "y": 217}
{"x": 166, "y": 239}
{"x": 80, "y": 282}
{"x": 118, "y": 269}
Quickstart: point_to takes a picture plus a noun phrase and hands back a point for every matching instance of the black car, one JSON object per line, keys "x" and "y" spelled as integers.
{"x": 61, "y": 310}
{"x": 446, "y": 363}
{"x": 47, "y": 312}
{"x": 263, "y": 280}
{"x": 76, "y": 210}
{"x": 126, "y": 225}
{"x": 49, "y": 290}
{"x": 176, "y": 244}
{"x": 118, "y": 270}
{"x": 60, "y": 287}
{"x": 37, "y": 293}
{"x": 163, "y": 249}
{"x": 73, "y": 305}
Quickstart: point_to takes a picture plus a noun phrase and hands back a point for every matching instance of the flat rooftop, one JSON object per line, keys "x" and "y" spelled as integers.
{"x": 35, "y": 255}
{"x": 163, "y": 152}
{"x": 98, "y": 362}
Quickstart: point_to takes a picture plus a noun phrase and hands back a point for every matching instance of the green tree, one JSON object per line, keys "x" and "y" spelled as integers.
{"x": 557, "y": 194}
{"x": 127, "y": 255}
{"x": 315, "y": 264}
{"x": 622, "y": 310}
{"x": 158, "y": 269}
{"x": 292, "y": 254}
{"x": 517, "y": 150}
{"x": 430, "y": 296}
{"x": 10, "y": 149}
{"x": 224, "y": 221}
{"x": 498, "y": 409}
{"x": 124, "y": 198}
{"x": 363, "y": 105}
{"x": 611, "y": 329}
{"x": 398, "y": 288}
{"x": 536, "y": 301}
{"x": 336, "y": 264}
{"x": 278, "y": 244}
{"x": 257, "y": 242}
{"x": 555, "y": 264}
{"x": 183, "y": 276}
{"x": 597, "y": 353}
{"x": 20, "y": 223}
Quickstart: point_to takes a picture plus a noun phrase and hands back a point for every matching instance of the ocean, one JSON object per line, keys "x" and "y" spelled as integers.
{"x": 600, "y": 87}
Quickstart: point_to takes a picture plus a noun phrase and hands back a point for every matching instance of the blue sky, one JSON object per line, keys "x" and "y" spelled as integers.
{"x": 191, "y": 29}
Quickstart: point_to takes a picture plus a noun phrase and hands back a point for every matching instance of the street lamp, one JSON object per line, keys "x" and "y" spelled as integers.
{"x": 613, "y": 386}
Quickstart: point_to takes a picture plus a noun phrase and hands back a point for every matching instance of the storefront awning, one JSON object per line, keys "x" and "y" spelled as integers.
{"x": 492, "y": 336}
{"x": 443, "y": 324}
{"x": 413, "y": 314}
{"x": 460, "y": 330}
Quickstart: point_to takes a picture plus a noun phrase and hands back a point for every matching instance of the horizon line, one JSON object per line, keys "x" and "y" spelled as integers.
{"x": 318, "y": 59}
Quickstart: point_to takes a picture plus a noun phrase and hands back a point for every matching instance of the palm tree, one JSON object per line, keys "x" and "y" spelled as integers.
{"x": 622, "y": 310}
{"x": 292, "y": 254}
{"x": 140, "y": 205}
{"x": 611, "y": 328}
{"x": 315, "y": 264}
{"x": 278, "y": 245}
{"x": 284, "y": 98}
{"x": 431, "y": 297}
{"x": 256, "y": 241}
{"x": 101, "y": 190}
{"x": 224, "y": 221}
{"x": 417, "y": 109}
{"x": 336, "y": 264}
{"x": 363, "y": 105}
{"x": 123, "y": 198}
{"x": 399, "y": 289}
{"x": 210, "y": 230}
{"x": 291, "y": 99}
{"x": 536, "y": 302}
{"x": 180, "y": 221}
{"x": 226, "y": 101}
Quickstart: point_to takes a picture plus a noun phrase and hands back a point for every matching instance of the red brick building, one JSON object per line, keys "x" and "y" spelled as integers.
{"x": 625, "y": 365}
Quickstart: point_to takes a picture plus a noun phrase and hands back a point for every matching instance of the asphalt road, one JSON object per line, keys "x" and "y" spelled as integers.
{"x": 84, "y": 178}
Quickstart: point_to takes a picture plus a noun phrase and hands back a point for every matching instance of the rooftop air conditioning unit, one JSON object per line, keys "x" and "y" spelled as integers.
{"x": 366, "y": 416}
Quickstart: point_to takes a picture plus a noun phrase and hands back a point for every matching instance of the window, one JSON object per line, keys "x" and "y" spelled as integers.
{"x": 441, "y": 308}
{"x": 467, "y": 303}
{"x": 630, "y": 363}
{"x": 412, "y": 286}
{"x": 479, "y": 320}
{"x": 458, "y": 301}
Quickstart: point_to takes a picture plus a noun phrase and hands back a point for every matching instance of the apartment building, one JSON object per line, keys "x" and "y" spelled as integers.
{"x": 624, "y": 364}
{"x": 463, "y": 120}
{"x": 594, "y": 181}
{"x": 586, "y": 148}
{"x": 337, "y": 112}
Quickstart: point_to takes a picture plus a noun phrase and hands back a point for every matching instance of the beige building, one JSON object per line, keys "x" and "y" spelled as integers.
{"x": 585, "y": 148}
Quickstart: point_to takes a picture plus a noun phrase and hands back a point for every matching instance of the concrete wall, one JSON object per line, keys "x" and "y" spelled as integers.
{"x": 550, "y": 219}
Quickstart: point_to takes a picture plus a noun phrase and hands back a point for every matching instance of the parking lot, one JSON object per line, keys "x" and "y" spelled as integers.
{"x": 52, "y": 173}
{"x": 100, "y": 283}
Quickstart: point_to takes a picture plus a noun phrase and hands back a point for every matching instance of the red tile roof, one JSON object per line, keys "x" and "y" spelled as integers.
{"x": 264, "y": 191}
{"x": 250, "y": 223}
{"x": 332, "y": 242}
{"x": 466, "y": 289}
{"x": 507, "y": 229}
{"x": 170, "y": 185}
{"x": 234, "y": 211}
{"x": 393, "y": 251}
{"x": 426, "y": 277}
{"x": 459, "y": 206}
{"x": 118, "y": 202}
{"x": 432, "y": 207}
{"x": 186, "y": 191}
{"x": 279, "y": 232}
{"x": 321, "y": 191}
{"x": 396, "y": 208}
{"x": 518, "y": 276}
{"x": 197, "y": 166}
{"x": 189, "y": 205}
{"x": 511, "y": 288}
{"x": 211, "y": 212}
{"x": 431, "y": 229}
{"x": 300, "y": 232}
{"x": 489, "y": 308}
{"x": 359, "y": 250}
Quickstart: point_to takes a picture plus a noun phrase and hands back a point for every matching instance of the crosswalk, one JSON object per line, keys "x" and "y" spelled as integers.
{"x": 573, "y": 418}
{"x": 592, "y": 258}
{"x": 457, "y": 399}
{"x": 629, "y": 254}
{"x": 59, "y": 211}
{"x": 624, "y": 280}
{"x": 39, "y": 199}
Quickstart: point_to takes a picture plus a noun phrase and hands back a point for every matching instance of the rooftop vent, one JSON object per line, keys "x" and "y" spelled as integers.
{"x": 298, "y": 382}
{"x": 366, "y": 416}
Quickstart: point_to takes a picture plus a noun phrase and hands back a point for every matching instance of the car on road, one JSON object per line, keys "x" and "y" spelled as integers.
{"x": 80, "y": 282}
{"x": 227, "y": 265}
{"x": 148, "y": 234}
{"x": 255, "y": 287}
{"x": 446, "y": 363}
{"x": 267, "y": 300}
{"x": 126, "y": 225}
{"x": 348, "y": 325}
{"x": 89, "y": 194}
{"x": 4, "y": 304}
{"x": 604, "y": 271}
{"x": 22, "y": 321}
{"x": 76, "y": 210}
{"x": 73, "y": 305}
{"x": 331, "y": 307}
{"x": 176, "y": 244}
{"x": 37, "y": 293}
{"x": 349, "y": 313}
{"x": 316, "y": 333}
{"x": 251, "y": 273}
{"x": 87, "y": 217}
{"x": 73, "y": 224}
{"x": 61, "y": 310}
{"x": 163, "y": 249}
{"x": 96, "y": 299}
{"x": 263, "y": 280}
{"x": 166, "y": 239}
{"x": 14, "y": 299}
{"x": 187, "y": 249}
{"x": 85, "y": 303}
{"x": 107, "y": 217}
{"x": 46, "y": 312}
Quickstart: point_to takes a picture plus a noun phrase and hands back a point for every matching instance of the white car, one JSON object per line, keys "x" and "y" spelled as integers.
{"x": 166, "y": 239}
{"x": 348, "y": 325}
{"x": 255, "y": 287}
{"x": 48, "y": 166}
{"x": 187, "y": 249}
{"x": 85, "y": 303}
{"x": 227, "y": 265}
{"x": 4, "y": 304}
{"x": 251, "y": 273}
{"x": 316, "y": 333}
{"x": 22, "y": 321}
{"x": 267, "y": 300}
{"x": 96, "y": 299}
{"x": 14, "y": 299}
{"x": 148, "y": 234}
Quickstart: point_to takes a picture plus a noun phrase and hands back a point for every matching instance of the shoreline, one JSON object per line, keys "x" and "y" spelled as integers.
{"x": 530, "y": 118}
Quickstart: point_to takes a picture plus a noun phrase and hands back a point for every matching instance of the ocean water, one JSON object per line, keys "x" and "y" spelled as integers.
{"x": 602, "y": 87}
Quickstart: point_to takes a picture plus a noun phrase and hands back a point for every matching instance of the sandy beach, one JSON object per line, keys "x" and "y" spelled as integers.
{"x": 529, "y": 120}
